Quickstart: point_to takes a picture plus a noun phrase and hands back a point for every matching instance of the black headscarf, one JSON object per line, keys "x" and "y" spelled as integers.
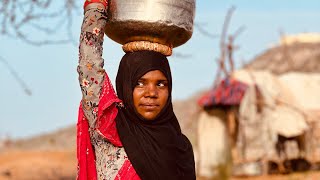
{"x": 156, "y": 148}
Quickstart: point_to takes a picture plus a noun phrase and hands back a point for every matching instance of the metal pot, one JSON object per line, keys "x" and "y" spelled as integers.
{"x": 168, "y": 22}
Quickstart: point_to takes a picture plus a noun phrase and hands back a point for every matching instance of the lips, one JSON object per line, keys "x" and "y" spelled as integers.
{"x": 149, "y": 106}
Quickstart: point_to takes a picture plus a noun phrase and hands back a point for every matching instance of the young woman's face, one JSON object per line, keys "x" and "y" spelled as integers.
{"x": 150, "y": 94}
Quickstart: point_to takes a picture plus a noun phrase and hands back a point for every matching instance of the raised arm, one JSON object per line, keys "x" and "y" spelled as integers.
{"x": 90, "y": 68}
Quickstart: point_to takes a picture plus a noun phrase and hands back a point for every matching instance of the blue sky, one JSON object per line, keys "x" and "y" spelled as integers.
{"x": 50, "y": 71}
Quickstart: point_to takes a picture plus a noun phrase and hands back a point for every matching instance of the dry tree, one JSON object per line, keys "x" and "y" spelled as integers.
{"x": 227, "y": 48}
{"x": 38, "y": 21}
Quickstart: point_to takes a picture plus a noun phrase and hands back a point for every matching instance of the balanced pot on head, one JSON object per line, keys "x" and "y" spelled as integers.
{"x": 167, "y": 22}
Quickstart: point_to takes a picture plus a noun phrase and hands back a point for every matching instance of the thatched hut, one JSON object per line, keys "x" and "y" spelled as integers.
{"x": 267, "y": 119}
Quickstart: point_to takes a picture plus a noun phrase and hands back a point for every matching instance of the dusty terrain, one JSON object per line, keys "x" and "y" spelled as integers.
{"x": 296, "y": 176}
{"x": 50, "y": 156}
{"x": 37, "y": 165}
{"x": 61, "y": 165}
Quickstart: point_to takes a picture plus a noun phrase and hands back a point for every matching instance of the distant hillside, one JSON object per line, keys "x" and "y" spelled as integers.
{"x": 301, "y": 57}
{"x": 187, "y": 112}
{"x": 62, "y": 139}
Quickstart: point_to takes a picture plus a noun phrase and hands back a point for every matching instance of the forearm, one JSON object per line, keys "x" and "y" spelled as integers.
{"x": 90, "y": 68}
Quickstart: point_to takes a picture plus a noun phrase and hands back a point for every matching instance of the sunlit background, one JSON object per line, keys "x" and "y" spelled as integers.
{"x": 39, "y": 88}
{"x": 49, "y": 71}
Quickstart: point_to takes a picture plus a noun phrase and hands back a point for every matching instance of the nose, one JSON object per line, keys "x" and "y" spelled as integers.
{"x": 152, "y": 91}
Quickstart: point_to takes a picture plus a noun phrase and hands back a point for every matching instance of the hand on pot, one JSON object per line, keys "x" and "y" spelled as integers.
{"x": 96, "y": 3}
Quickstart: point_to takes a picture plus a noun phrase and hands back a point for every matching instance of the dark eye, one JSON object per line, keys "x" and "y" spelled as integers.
{"x": 139, "y": 84}
{"x": 162, "y": 84}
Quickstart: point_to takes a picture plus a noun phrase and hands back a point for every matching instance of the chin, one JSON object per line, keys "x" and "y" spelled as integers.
{"x": 149, "y": 117}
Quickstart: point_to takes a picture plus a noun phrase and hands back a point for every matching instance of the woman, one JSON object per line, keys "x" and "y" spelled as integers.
{"x": 134, "y": 135}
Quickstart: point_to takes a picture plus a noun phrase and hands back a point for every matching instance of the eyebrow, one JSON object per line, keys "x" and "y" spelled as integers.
{"x": 144, "y": 79}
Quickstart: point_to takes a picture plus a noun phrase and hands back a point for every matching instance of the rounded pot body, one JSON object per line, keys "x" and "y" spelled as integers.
{"x": 168, "y": 22}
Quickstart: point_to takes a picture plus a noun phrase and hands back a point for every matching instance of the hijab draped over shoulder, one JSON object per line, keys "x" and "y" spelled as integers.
{"x": 156, "y": 148}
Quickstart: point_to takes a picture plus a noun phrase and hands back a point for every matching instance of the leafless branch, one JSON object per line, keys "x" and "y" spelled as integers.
{"x": 181, "y": 55}
{"x": 238, "y": 31}
{"x": 221, "y": 60}
{"x": 43, "y": 18}
{"x": 225, "y": 31}
{"x": 227, "y": 48}
{"x": 16, "y": 76}
{"x": 231, "y": 48}
{"x": 200, "y": 27}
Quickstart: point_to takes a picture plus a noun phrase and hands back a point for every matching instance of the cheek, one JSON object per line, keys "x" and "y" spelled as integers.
{"x": 164, "y": 97}
{"x": 136, "y": 96}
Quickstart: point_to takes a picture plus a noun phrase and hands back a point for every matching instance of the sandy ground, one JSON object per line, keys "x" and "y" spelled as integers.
{"x": 296, "y": 176}
{"x": 33, "y": 165}
{"x": 61, "y": 165}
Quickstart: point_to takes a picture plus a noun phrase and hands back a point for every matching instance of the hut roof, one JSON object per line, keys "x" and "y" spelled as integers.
{"x": 228, "y": 92}
{"x": 297, "y": 57}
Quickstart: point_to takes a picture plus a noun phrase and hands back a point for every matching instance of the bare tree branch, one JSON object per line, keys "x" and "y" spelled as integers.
{"x": 203, "y": 31}
{"x": 231, "y": 48}
{"x": 16, "y": 76}
{"x": 181, "y": 55}
{"x": 47, "y": 17}
{"x": 221, "y": 59}
{"x": 238, "y": 31}
{"x": 224, "y": 30}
